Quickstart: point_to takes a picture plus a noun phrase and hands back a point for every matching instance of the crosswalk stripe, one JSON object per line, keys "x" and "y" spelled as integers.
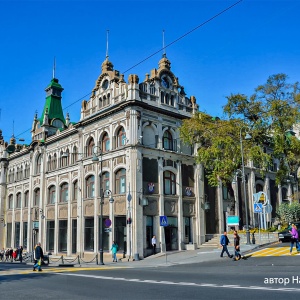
{"x": 277, "y": 251}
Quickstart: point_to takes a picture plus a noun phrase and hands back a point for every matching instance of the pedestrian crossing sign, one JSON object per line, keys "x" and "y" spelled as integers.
{"x": 163, "y": 220}
{"x": 257, "y": 207}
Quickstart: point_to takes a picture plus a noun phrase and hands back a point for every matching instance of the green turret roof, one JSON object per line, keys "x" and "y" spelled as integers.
{"x": 53, "y": 102}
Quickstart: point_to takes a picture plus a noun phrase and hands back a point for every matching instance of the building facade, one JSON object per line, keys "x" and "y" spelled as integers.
{"x": 119, "y": 168}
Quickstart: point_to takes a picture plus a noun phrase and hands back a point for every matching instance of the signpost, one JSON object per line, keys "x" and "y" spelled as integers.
{"x": 163, "y": 220}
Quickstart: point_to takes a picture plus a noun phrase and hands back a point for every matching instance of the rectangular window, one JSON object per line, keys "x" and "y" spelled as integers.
{"x": 74, "y": 236}
{"x": 62, "y": 235}
{"x": 8, "y": 236}
{"x": 187, "y": 230}
{"x": 50, "y": 235}
{"x": 89, "y": 234}
{"x": 25, "y": 228}
{"x": 17, "y": 234}
{"x": 122, "y": 185}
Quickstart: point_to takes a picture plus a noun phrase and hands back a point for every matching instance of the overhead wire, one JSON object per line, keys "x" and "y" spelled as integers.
{"x": 158, "y": 51}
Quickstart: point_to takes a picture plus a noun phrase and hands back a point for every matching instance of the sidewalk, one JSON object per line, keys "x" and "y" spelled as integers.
{"x": 203, "y": 254}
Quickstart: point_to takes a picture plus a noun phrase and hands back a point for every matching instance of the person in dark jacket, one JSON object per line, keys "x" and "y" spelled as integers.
{"x": 38, "y": 256}
{"x": 224, "y": 241}
{"x": 236, "y": 243}
{"x": 21, "y": 254}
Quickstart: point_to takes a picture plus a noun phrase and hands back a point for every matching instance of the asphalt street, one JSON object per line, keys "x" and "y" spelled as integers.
{"x": 266, "y": 277}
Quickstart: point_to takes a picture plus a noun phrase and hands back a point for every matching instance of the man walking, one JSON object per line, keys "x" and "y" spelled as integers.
{"x": 224, "y": 241}
{"x": 38, "y": 256}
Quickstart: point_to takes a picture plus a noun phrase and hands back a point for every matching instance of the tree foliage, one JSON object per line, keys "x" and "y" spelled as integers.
{"x": 287, "y": 212}
{"x": 269, "y": 115}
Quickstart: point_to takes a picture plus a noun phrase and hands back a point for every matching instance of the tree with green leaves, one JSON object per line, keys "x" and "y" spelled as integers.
{"x": 270, "y": 116}
{"x": 288, "y": 212}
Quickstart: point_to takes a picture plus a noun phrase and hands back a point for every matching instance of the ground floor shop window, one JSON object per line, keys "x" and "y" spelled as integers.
{"x": 89, "y": 234}
{"x": 149, "y": 231}
{"x": 25, "y": 236}
{"x": 62, "y": 235}
{"x": 187, "y": 230}
{"x": 50, "y": 235}
{"x": 74, "y": 236}
{"x": 17, "y": 234}
{"x": 105, "y": 234}
{"x": 8, "y": 234}
{"x": 120, "y": 232}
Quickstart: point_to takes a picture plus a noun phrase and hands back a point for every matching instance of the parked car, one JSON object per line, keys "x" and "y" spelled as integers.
{"x": 285, "y": 236}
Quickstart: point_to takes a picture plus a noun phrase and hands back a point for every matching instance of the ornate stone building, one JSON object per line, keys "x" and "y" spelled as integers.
{"x": 125, "y": 146}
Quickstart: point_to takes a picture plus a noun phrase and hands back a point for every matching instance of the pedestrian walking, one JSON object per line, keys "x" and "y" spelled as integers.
{"x": 38, "y": 257}
{"x": 236, "y": 243}
{"x": 21, "y": 254}
{"x": 224, "y": 241}
{"x": 114, "y": 249}
{"x": 153, "y": 242}
{"x": 294, "y": 238}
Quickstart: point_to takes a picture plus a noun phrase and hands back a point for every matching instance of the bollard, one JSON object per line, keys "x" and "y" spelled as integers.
{"x": 62, "y": 259}
{"x": 253, "y": 239}
{"x": 78, "y": 259}
{"x": 136, "y": 256}
{"x": 96, "y": 259}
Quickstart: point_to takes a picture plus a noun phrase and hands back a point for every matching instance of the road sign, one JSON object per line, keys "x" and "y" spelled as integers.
{"x": 233, "y": 220}
{"x": 268, "y": 208}
{"x": 107, "y": 229}
{"x": 107, "y": 222}
{"x": 257, "y": 207}
{"x": 163, "y": 220}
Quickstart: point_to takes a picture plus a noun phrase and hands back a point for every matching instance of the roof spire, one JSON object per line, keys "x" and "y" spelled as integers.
{"x": 164, "y": 48}
{"x": 107, "y": 32}
{"x": 54, "y": 67}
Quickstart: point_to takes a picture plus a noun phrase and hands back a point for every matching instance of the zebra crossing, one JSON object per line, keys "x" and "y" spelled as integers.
{"x": 274, "y": 251}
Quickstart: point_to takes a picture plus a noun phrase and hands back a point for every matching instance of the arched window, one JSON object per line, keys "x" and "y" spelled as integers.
{"x": 121, "y": 135}
{"x": 105, "y": 181}
{"x": 90, "y": 146}
{"x": 36, "y": 197}
{"x": 167, "y": 99}
{"x": 10, "y": 202}
{"x": 105, "y": 143}
{"x": 259, "y": 188}
{"x": 52, "y": 194}
{"x": 120, "y": 182}
{"x": 284, "y": 192}
{"x": 18, "y": 203}
{"x": 90, "y": 187}
{"x": 27, "y": 170}
{"x": 64, "y": 156}
{"x": 64, "y": 192}
{"x": 74, "y": 155}
{"x": 38, "y": 164}
{"x": 49, "y": 163}
{"x": 162, "y": 97}
{"x": 18, "y": 173}
{"x": 169, "y": 183}
{"x": 26, "y": 198}
{"x": 167, "y": 140}
{"x": 104, "y": 101}
{"x": 54, "y": 162}
{"x": 75, "y": 190}
{"x": 108, "y": 99}
{"x": 172, "y": 100}
{"x": 11, "y": 176}
{"x": 100, "y": 102}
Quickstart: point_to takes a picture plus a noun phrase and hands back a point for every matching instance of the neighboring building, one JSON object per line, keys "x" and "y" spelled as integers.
{"x": 50, "y": 190}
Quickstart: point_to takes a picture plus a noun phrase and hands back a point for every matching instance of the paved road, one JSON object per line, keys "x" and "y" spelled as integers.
{"x": 218, "y": 278}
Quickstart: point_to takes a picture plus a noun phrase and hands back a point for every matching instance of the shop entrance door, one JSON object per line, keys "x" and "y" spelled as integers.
{"x": 171, "y": 236}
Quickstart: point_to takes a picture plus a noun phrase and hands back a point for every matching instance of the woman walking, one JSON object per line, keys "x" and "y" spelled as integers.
{"x": 294, "y": 238}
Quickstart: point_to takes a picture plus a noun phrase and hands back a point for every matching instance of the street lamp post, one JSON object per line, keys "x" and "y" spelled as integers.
{"x": 244, "y": 185}
{"x": 95, "y": 158}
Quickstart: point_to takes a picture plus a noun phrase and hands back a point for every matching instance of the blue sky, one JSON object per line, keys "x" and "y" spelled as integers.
{"x": 233, "y": 53}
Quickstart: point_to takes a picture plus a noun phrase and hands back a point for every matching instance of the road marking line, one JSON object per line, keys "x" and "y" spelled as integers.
{"x": 264, "y": 288}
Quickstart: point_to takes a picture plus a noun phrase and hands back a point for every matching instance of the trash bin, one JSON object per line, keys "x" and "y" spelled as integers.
{"x": 136, "y": 256}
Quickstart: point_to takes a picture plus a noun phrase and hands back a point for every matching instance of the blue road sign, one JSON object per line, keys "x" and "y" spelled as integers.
{"x": 163, "y": 220}
{"x": 257, "y": 207}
